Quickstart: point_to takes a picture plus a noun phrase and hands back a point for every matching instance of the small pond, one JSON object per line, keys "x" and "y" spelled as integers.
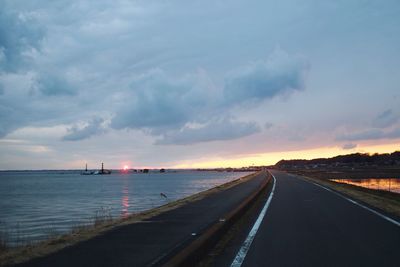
{"x": 387, "y": 184}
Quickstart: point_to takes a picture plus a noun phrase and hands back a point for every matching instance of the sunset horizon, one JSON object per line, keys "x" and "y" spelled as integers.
{"x": 266, "y": 159}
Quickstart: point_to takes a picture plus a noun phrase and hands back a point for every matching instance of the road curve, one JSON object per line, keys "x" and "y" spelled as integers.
{"x": 306, "y": 225}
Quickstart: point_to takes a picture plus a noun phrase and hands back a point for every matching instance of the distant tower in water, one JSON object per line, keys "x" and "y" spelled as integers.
{"x": 102, "y": 171}
{"x": 86, "y": 172}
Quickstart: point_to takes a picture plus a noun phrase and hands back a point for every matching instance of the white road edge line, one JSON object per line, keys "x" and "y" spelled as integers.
{"x": 360, "y": 205}
{"x": 238, "y": 261}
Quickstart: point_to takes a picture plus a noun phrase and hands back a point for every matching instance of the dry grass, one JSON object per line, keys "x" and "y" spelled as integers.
{"x": 386, "y": 201}
{"x": 101, "y": 225}
{"x": 3, "y": 243}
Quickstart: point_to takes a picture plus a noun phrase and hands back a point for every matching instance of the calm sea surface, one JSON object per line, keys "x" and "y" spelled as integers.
{"x": 37, "y": 204}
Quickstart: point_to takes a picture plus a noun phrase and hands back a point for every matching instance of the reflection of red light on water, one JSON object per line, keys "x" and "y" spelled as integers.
{"x": 125, "y": 206}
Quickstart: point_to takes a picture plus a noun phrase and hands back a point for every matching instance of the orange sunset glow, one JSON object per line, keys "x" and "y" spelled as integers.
{"x": 274, "y": 157}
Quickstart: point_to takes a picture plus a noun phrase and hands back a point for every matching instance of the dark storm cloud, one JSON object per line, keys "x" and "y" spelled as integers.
{"x": 223, "y": 129}
{"x": 371, "y": 134}
{"x": 53, "y": 85}
{"x": 349, "y": 146}
{"x": 268, "y": 125}
{"x": 385, "y": 119}
{"x": 93, "y": 127}
{"x": 384, "y": 127}
{"x": 164, "y": 105}
{"x": 157, "y": 101}
{"x": 279, "y": 74}
{"x": 5, "y": 128}
{"x": 19, "y": 35}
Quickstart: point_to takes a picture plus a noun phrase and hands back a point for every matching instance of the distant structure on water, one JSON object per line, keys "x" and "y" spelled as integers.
{"x": 98, "y": 172}
{"x": 86, "y": 172}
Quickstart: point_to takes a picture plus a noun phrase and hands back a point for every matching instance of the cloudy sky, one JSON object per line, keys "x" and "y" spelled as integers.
{"x": 196, "y": 83}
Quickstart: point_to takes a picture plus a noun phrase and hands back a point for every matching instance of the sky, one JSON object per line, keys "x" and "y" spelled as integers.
{"x": 187, "y": 84}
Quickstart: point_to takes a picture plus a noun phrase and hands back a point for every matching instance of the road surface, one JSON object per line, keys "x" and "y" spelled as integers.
{"x": 306, "y": 225}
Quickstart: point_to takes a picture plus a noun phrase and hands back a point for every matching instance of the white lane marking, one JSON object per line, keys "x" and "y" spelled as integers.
{"x": 237, "y": 262}
{"x": 360, "y": 205}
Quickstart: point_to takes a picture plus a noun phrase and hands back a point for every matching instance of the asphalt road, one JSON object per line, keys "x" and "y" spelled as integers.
{"x": 147, "y": 242}
{"x": 306, "y": 225}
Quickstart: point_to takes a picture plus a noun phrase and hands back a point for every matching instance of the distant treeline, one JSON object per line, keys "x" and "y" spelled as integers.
{"x": 350, "y": 159}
